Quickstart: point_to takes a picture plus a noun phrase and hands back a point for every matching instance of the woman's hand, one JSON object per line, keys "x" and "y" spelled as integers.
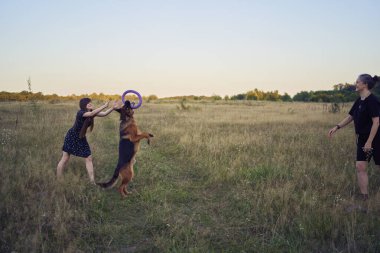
{"x": 367, "y": 147}
{"x": 106, "y": 104}
{"x": 340, "y": 125}
{"x": 332, "y": 131}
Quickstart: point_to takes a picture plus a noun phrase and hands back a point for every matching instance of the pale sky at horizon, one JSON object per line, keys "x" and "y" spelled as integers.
{"x": 173, "y": 48}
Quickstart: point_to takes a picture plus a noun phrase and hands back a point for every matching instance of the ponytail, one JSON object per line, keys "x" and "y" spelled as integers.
{"x": 369, "y": 80}
{"x": 375, "y": 79}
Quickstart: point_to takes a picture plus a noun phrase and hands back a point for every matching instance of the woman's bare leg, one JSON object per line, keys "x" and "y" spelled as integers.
{"x": 362, "y": 177}
{"x": 62, "y": 163}
{"x": 90, "y": 168}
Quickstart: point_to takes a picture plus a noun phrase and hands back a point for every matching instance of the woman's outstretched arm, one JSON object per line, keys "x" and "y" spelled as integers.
{"x": 96, "y": 111}
{"x": 341, "y": 124}
{"x": 114, "y": 107}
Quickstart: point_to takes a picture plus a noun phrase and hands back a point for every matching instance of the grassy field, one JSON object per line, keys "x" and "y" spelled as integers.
{"x": 218, "y": 177}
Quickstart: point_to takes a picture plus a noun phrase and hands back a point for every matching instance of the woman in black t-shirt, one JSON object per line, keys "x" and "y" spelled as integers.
{"x": 365, "y": 113}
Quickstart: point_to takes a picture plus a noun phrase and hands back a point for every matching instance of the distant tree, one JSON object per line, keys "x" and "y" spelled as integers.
{"x": 152, "y": 97}
{"x": 216, "y": 97}
{"x": 239, "y": 97}
{"x": 272, "y": 96}
{"x": 302, "y": 96}
{"x": 286, "y": 97}
{"x": 252, "y": 95}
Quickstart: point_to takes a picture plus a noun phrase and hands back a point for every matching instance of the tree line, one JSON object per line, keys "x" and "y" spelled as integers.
{"x": 24, "y": 96}
{"x": 339, "y": 93}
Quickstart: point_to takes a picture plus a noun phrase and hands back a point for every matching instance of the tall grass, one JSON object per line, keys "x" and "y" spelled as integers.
{"x": 218, "y": 177}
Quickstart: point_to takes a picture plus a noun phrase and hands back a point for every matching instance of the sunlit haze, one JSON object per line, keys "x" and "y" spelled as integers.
{"x": 170, "y": 48}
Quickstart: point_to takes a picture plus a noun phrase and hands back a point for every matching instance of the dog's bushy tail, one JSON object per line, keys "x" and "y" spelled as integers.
{"x": 111, "y": 183}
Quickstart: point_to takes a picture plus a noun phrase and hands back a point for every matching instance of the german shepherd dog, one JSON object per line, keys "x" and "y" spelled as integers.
{"x": 129, "y": 144}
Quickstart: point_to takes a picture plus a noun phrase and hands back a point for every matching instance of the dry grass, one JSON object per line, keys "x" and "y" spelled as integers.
{"x": 218, "y": 177}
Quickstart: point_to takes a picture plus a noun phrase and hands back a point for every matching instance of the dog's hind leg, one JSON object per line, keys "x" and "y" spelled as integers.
{"x": 127, "y": 177}
{"x": 125, "y": 187}
{"x": 121, "y": 191}
{"x": 122, "y": 177}
{"x": 126, "y": 191}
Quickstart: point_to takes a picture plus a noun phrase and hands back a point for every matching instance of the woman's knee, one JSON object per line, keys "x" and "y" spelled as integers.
{"x": 89, "y": 159}
{"x": 361, "y": 166}
{"x": 65, "y": 157}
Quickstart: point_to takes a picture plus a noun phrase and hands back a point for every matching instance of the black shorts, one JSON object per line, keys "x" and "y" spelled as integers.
{"x": 361, "y": 155}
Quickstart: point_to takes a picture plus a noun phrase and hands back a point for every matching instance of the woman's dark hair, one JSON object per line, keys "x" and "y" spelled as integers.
{"x": 89, "y": 121}
{"x": 369, "y": 80}
{"x": 83, "y": 103}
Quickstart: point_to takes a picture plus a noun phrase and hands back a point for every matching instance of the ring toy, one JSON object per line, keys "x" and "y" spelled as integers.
{"x": 133, "y": 106}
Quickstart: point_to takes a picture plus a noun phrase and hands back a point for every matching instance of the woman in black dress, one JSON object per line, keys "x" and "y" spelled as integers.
{"x": 75, "y": 141}
{"x": 365, "y": 113}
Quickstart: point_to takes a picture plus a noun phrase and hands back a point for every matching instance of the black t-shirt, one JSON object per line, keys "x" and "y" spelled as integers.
{"x": 363, "y": 111}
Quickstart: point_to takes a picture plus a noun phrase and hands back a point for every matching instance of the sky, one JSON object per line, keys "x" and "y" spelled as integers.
{"x": 175, "y": 47}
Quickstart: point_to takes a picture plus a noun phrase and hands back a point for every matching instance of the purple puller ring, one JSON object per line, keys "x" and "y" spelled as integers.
{"x": 133, "y": 106}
